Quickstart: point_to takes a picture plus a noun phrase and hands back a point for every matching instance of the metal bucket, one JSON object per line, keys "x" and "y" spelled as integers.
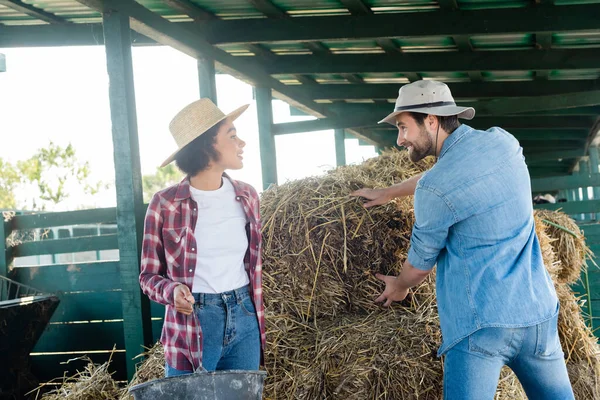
{"x": 218, "y": 385}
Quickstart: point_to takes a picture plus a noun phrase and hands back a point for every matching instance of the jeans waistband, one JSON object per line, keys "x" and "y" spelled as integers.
{"x": 230, "y": 296}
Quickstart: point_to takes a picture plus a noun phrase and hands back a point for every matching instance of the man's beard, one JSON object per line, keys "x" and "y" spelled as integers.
{"x": 423, "y": 149}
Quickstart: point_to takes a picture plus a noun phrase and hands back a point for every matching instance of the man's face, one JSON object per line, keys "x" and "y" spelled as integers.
{"x": 414, "y": 137}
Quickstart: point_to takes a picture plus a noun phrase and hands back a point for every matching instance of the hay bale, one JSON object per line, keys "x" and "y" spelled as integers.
{"x": 322, "y": 247}
{"x": 568, "y": 244}
{"x": 95, "y": 382}
{"x": 152, "y": 367}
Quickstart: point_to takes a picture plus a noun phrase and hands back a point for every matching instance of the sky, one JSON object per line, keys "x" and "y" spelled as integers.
{"x": 60, "y": 94}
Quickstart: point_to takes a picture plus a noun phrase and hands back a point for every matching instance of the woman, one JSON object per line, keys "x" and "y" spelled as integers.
{"x": 201, "y": 250}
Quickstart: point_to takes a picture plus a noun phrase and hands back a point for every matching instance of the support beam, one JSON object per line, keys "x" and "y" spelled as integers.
{"x": 5, "y": 252}
{"x": 33, "y": 11}
{"x": 482, "y": 90}
{"x": 584, "y": 169}
{"x": 564, "y": 182}
{"x": 541, "y": 103}
{"x": 358, "y": 121}
{"x": 206, "y": 79}
{"x": 268, "y": 151}
{"x": 574, "y": 207}
{"x": 268, "y": 8}
{"x": 521, "y": 60}
{"x": 557, "y": 105}
{"x": 188, "y": 39}
{"x": 595, "y": 169}
{"x": 128, "y": 181}
{"x": 405, "y": 25}
{"x": 59, "y": 35}
{"x": 531, "y": 158}
{"x": 553, "y": 134}
{"x": 340, "y": 147}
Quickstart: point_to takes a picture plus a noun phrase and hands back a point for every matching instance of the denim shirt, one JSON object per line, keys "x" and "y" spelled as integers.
{"x": 474, "y": 217}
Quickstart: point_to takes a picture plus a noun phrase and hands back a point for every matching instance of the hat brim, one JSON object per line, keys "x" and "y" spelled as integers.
{"x": 443, "y": 111}
{"x": 231, "y": 116}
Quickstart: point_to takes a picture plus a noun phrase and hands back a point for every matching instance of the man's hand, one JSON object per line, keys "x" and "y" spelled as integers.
{"x": 394, "y": 291}
{"x": 376, "y": 196}
{"x": 183, "y": 299}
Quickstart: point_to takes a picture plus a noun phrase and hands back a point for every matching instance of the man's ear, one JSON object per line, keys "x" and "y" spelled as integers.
{"x": 432, "y": 122}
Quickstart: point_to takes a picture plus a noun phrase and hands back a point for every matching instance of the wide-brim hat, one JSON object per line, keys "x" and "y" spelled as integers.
{"x": 194, "y": 120}
{"x": 427, "y": 97}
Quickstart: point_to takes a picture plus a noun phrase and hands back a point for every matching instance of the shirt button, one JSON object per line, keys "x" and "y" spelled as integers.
{"x": 190, "y": 270}
{"x": 177, "y": 240}
{"x": 237, "y": 198}
{"x": 193, "y": 249}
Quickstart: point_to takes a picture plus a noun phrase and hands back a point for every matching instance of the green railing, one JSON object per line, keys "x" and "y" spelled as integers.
{"x": 89, "y": 319}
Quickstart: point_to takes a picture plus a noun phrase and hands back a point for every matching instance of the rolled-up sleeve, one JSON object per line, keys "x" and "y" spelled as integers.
{"x": 433, "y": 219}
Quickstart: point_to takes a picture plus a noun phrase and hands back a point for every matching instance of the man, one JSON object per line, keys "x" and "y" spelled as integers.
{"x": 474, "y": 219}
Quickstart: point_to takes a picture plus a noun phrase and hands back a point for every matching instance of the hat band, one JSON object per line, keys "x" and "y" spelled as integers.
{"x": 426, "y": 105}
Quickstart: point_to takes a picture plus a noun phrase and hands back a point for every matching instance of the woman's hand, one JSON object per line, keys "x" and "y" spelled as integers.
{"x": 183, "y": 299}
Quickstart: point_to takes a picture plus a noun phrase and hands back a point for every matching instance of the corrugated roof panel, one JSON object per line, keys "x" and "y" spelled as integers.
{"x": 508, "y": 75}
{"x": 485, "y": 4}
{"x": 429, "y": 43}
{"x": 303, "y": 6}
{"x": 229, "y": 8}
{"x": 450, "y": 76}
{"x": 8, "y": 16}
{"x": 354, "y": 47}
{"x": 577, "y": 39}
{"x": 386, "y": 6}
{"x": 571, "y": 2}
{"x": 503, "y": 42}
{"x": 575, "y": 74}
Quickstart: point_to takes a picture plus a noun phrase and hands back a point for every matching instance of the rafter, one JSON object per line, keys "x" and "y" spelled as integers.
{"x": 390, "y": 25}
{"x": 189, "y": 41}
{"x": 191, "y": 9}
{"x": 438, "y": 62}
{"x": 33, "y": 11}
{"x": 459, "y": 89}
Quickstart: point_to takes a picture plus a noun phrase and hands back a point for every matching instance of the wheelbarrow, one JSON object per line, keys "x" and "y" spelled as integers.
{"x": 217, "y": 385}
{"x": 24, "y": 314}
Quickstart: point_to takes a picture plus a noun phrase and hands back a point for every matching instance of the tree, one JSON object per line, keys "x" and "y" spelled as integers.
{"x": 47, "y": 178}
{"x": 9, "y": 179}
{"x": 163, "y": 178}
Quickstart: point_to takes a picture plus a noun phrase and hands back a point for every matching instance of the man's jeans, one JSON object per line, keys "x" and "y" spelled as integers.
{"x": 231, "y": 337}
{"x": 472, "y": 367}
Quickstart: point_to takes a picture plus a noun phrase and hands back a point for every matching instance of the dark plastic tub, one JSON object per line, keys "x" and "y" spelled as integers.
{"x": 218, "y": 385}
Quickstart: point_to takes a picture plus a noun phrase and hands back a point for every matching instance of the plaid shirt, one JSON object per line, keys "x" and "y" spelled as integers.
{"x": 169, "y": 259}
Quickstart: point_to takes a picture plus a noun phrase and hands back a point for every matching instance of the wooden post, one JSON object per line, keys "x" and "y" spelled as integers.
{"x": 595, "y": 169}
{"x": 5, "y": 252}
{"x": 206, "y": 79}
{"x": 268, "y": 156}
{"x": 584, "y": 169}
{"x": 340, "y": 147}
{"x": 128, "y": 181}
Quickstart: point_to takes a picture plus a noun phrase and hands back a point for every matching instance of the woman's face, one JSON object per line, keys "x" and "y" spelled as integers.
{"x": 229, "y": 147}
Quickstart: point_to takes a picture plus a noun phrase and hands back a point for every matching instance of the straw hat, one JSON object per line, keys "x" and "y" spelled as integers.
{"x": 195, "y": 119}
{"x": 427, "y": 97}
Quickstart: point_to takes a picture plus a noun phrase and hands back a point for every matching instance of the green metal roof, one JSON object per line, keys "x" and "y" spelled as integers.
{"x": 349, "y": 57}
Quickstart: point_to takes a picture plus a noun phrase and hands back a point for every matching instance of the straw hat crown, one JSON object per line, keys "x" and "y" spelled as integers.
{"x": 194, "y": 120}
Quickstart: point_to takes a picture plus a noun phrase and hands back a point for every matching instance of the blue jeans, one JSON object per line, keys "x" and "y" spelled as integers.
{"x": 472, "y": 367}
{"x": 231, "y": 337}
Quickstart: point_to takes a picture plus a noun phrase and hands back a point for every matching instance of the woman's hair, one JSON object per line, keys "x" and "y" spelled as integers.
{"x": 196, "y": 156}
{"x": 449, "y": 123}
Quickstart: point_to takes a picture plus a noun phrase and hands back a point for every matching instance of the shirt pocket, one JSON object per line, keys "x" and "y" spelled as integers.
{"x": 174, "y": 242}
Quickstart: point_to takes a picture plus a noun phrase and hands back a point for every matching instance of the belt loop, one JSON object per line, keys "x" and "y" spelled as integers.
{"x": 199, "y": 299}
{"x": 238, "y": 295}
